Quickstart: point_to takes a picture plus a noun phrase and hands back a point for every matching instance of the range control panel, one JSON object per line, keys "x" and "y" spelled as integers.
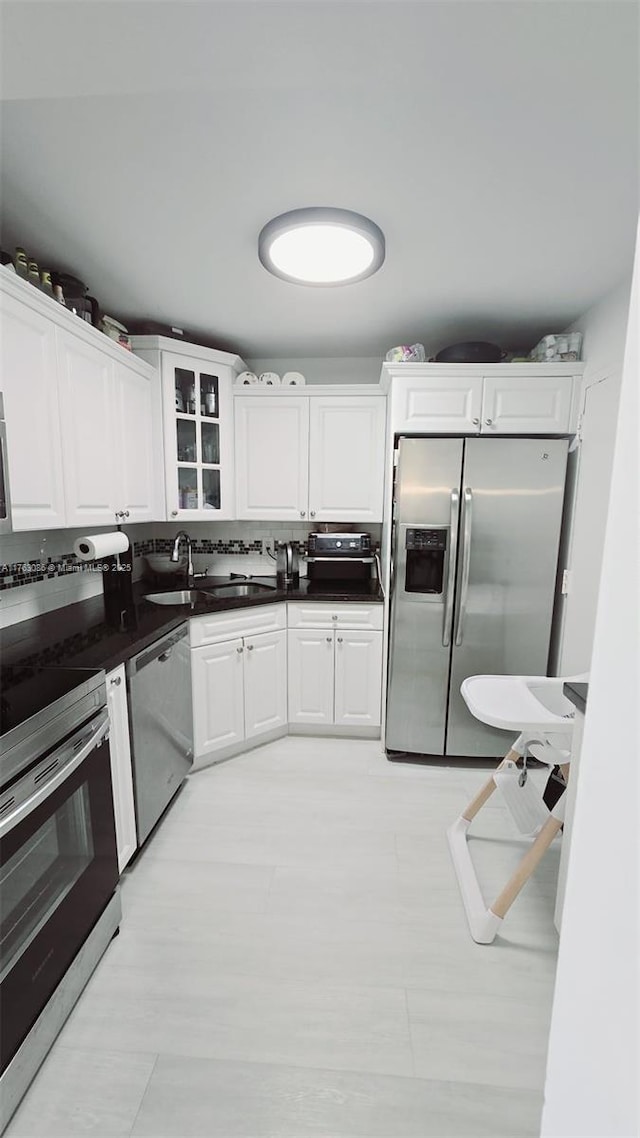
{"x": 419, "y": 539}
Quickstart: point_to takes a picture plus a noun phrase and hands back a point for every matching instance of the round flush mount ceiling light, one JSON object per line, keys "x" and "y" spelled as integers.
{"x": 321, "y": 246}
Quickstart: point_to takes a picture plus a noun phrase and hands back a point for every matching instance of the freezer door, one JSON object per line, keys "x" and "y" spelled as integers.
{"x": 424, "y": 559}
{"x": 511, "y": 511}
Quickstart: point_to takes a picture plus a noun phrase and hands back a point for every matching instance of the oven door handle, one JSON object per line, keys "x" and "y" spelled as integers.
{"x": 22, "y": 811}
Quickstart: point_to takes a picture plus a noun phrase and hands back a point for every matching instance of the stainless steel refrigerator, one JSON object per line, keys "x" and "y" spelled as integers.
{"x": 476, "y": 528}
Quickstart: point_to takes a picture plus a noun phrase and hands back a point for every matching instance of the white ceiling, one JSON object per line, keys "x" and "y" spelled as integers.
{"x": 145, "y": 145}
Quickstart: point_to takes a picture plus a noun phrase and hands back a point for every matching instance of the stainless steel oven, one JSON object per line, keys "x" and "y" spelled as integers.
{"x": 5, "y": 496}
{"x": 58, "y": 862}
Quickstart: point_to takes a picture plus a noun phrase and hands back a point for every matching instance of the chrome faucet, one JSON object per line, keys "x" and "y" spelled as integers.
{"x": 174, "y": 556}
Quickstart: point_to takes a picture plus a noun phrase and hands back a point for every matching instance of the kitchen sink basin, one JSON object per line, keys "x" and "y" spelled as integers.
{"x": 244, "y": 589}
{"x": 179, "y": 597}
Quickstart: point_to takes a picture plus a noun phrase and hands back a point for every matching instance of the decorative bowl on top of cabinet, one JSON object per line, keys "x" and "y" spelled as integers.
{"x": 197, "y": 412}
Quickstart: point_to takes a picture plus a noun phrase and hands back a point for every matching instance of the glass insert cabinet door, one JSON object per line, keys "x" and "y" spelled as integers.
{"x": 198, "y": 443}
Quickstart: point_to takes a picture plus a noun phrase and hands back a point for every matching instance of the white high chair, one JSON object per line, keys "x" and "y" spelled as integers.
{"x": 535, "y": 707}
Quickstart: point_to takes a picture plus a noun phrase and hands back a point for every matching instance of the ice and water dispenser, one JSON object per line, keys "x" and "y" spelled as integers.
{"x": 426, "y": 556}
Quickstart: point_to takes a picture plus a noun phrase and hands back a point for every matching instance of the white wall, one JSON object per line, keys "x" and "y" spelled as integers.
{"x": 604, "y": 330}
{"x": 332, "y": 369}
{"x": 592, "y": 1084}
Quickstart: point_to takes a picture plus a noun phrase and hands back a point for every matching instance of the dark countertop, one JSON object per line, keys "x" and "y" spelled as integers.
{"x": 577, "y": 694}
{"x": 78, "y": 634}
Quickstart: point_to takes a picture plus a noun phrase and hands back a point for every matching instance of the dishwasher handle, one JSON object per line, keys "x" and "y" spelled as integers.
{"x": 160, "y": 651}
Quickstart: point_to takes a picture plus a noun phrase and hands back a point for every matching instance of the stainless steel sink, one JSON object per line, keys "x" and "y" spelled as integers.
{"x": 179, "y": 597}
{"x": 246, "y": 589}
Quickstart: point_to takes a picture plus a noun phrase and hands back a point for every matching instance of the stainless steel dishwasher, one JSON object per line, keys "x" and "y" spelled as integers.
{"x": 161, "y": 718}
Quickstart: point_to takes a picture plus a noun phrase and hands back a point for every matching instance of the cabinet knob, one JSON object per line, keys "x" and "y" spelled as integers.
{"x": 303, "y": 513}
{"x": 334, "y": 617}
{"x": 476, "y": 422}
{"x": 329, "y": 639}
{"x": 249, "y": 647}
{"x": 125, "y": 513}
{"x": 488, "y": 422}
{"x": 312, "y": 513}
{"x": 339, "y": 640}
{"x": 241, "y": 649}
{"x": 116, "y": 680}
{"x": 174, "y": 513}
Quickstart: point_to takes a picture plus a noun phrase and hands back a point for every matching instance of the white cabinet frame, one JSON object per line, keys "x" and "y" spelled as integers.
{"x": 121, "y": 772}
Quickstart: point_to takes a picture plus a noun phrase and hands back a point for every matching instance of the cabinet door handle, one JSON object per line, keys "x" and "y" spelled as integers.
{"x": 488, "y": 422}
{"x": 329, "y": 639}
{"x": 249, "y": 647}
{"x": 240, "y": 649}
{"x": 334, "y": 617}
{"x": 476, "y": 422}
{"x": 116, "y": 680}
{"x": 174, "y": 513}
{"x": 125, "y": 513}
{"x": 303, "y": 513}
{"x": 339, "y": 640}
{"x": 312, "y": 513}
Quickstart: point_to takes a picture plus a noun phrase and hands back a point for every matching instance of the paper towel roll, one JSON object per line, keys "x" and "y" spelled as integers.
{"x": 96, "y": 545}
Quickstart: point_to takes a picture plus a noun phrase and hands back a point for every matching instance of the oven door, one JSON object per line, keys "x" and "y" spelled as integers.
{"x": 59, "y": 870}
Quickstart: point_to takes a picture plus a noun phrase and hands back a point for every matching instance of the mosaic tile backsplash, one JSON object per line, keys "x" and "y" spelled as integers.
{"x": 39, "y": 571}
{"x": 15, "y": 574}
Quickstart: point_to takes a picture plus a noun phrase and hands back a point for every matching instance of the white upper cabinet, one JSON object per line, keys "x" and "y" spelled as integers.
{"x": 111, "y": 434}
{"x": 139, "y": 431}
{"x": 272, "y": 457}
{"x": 472, "y": 399}
{"x": 519, "y": 405}
{"x": 87, "y": 403}
{"x": 346, "y": 458}
{"x": 83, "y": 419}
{"x": 197, "y": 416}
{"x": 449, "y": 403}
{"x": 34, "y": 440}
{"x": 311, "y": 457}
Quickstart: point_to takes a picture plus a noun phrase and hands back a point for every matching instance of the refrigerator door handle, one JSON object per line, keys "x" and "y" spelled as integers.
{"x": 466, "y": 561}
{"x": 451, "y": 575}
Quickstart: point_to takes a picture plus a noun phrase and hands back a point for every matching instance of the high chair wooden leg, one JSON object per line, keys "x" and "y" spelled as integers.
{"x": 530, "y": 861}
{"x": 484, "y": 794}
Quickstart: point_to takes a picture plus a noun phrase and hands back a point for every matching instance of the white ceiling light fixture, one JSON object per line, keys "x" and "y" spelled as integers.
{"x": 321, "y": 246}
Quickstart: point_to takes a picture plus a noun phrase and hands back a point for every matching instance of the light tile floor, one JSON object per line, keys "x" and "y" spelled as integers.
{"x": 294, "y": 960}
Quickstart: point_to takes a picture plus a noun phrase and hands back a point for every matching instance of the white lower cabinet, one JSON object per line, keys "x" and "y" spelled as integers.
{"x": 265, "y": 683}
{"x": 121, "y": 773}
{"x": 311, "y": 675}
{"x": 239, "y": 690}
{"x": 335, "y": 677}
{"x": 218, "y": 696}
{"x": 358, "y": 678}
